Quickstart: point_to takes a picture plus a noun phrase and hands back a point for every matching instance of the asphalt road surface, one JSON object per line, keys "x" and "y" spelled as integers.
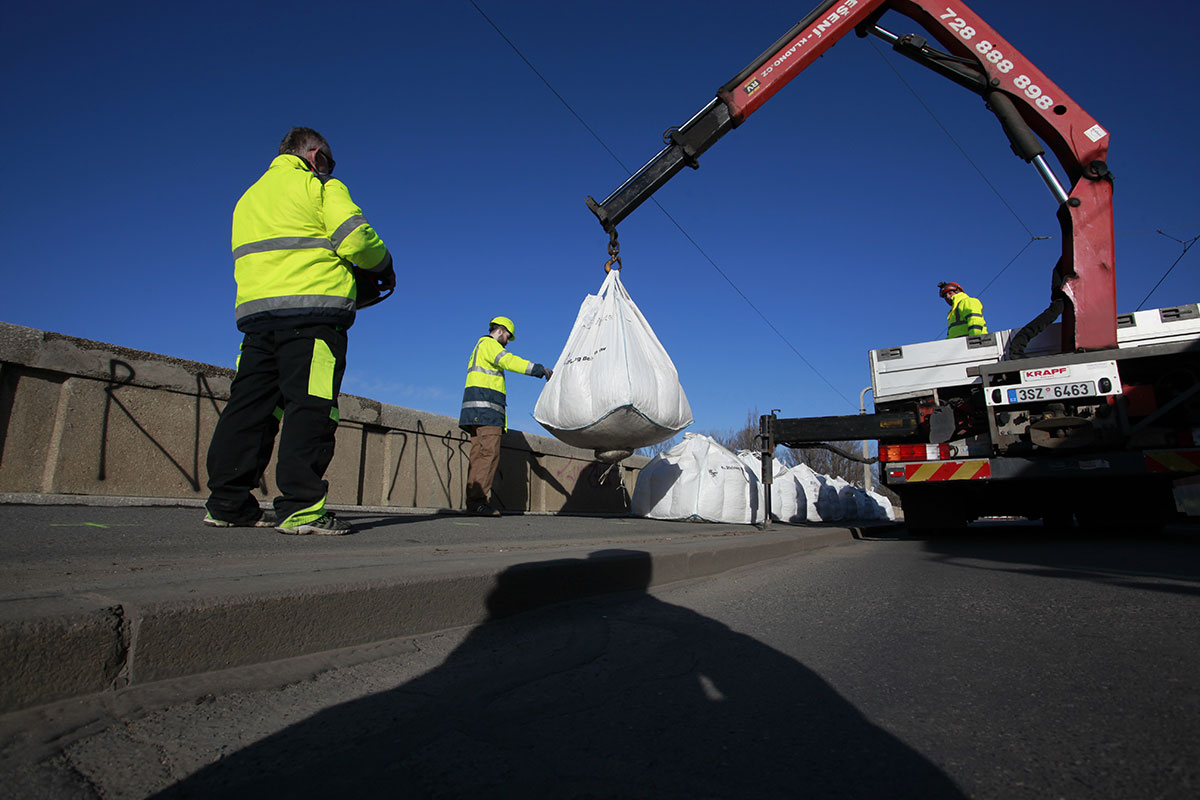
{"x": 1004, "y": 662}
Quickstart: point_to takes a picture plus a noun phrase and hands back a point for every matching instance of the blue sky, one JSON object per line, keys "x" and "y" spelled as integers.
{"x": 132, "y": 128}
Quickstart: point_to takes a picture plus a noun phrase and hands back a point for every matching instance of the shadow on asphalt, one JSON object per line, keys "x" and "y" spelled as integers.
{"x": 366, "y": 522}
{"x": 1165, "y": 560}
{"x": 624, "y": 697}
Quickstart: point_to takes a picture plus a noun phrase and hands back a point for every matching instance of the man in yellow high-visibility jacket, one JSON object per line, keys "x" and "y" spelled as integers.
{"x": 966, "y": 313}
{"x": 484, "y": 412}
{"x": 298, "y": 240}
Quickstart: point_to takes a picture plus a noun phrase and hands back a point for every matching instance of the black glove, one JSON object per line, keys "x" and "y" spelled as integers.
{"x": 372, "y": 285}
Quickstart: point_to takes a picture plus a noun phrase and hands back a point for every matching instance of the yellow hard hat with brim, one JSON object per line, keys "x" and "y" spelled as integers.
{"x": 508, "y": 326}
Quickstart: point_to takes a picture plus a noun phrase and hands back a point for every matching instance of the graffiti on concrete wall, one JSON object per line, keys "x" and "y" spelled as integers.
{"x": 121, "y": 376}
{"x": 436, "y": 460}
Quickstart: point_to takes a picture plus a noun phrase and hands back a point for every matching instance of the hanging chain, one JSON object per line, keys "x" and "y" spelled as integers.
{"x": 614, "y": 250}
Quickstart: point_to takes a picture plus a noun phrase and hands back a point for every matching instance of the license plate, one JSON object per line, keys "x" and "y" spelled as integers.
{"x": 1056, "y": 391}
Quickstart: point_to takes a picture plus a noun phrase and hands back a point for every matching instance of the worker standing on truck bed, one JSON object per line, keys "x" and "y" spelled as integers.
{"x": 966, "y": 313}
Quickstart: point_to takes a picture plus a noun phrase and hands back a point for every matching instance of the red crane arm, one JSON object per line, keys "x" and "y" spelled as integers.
{"x": 978, "y": 58}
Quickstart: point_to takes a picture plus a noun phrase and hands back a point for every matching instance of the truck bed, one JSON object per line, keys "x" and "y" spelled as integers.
{"x": 913, "y": 370}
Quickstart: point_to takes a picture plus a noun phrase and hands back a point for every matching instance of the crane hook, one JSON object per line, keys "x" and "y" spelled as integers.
{"x": 613, "y": 253}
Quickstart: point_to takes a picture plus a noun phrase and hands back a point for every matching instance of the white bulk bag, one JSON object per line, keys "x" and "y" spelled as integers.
{"x": 752, "y": 462}
{"x": 697, "y": 479}
{"x": 789, "y": 502}
{"x": 829, "y": 504}
{"x": 856, "y": 501}
{"x": 614, "y": 387}
{"x": 845, "y": 493}
{"x": 883, "y": 507}
{"x": 812, "y": 486}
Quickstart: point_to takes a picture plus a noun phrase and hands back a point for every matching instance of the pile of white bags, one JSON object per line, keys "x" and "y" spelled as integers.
{"x": 821, "y": 498}
{"x": 846, "y": 503}
{"x": 789, "y": 499}
{"x": 614, "y": 387}
{"x": 700, "y": 479}
{"x": 881, "y": 507}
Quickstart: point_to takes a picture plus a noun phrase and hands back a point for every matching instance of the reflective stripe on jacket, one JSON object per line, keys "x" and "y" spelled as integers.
{"x": 965, "y": 317}
{"x": 295, "y": 239}
{"x": 484, "y": 396}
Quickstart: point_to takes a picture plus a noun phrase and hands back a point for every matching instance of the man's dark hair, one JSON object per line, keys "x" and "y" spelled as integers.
{"x": 300, "y": 140}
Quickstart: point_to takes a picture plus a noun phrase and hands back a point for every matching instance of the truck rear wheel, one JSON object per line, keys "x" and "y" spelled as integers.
{"x": 1142, "y": 505}
{"x": 933, "y": 511}
{"x": 1058, "y": 519}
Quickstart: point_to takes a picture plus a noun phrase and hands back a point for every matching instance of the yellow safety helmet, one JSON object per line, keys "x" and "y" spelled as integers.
{"x": 507, "y": 324}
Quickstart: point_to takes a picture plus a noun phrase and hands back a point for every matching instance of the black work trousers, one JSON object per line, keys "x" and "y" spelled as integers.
{"x": 297, "y": 371}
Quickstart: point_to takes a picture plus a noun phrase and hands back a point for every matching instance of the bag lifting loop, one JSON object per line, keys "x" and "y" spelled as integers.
{"x": 613, "y": 250}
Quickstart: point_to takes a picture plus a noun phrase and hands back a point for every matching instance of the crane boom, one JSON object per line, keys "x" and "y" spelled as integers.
{"x": 1028, "y": 105}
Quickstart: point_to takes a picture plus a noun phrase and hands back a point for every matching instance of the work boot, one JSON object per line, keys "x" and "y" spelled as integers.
{"x": 326, "y": 525}
{"x": 483, "y": 510}
{"x": 265, "y": 519}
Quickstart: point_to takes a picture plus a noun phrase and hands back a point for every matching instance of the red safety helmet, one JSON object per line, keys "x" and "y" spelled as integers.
{"x": 945, "y": 287}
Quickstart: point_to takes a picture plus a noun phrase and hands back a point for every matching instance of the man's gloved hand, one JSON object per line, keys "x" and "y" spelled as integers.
{"x": 387, "y": 280}
{"x": 373, "y": 287}
{"x": 549, "y": 372}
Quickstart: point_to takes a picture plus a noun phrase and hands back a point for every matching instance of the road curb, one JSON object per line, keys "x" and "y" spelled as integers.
{"x": 56, "y": 648}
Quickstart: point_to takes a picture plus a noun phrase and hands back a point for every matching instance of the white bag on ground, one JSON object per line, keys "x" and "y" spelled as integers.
{"x": 848, "y": 506}
{"x": 883, "y": 506}
{"x": 697, "y": 479}
{"x": 812, "y": 491}
{"x": 789, "y": 502}
{"x": 858, "y": 505}
{"x": 829, "y": 504}
{"x": 614, "y": 388}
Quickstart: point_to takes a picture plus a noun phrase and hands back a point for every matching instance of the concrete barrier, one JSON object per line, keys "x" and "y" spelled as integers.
{"x": 88, "y": 418}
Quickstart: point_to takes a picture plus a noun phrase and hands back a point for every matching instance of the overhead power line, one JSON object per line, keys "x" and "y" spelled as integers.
{"x": 1010, "y": 262}
{"x": 1186, "y": 246}
{"x": 954, "y": 141}
{"x": 553, "y": 91}
{"x": 675, "y": 222}
{"x": 751, "y": 304}
{"x": 1032, "y": 238}
{"x": 1163, "y": 231}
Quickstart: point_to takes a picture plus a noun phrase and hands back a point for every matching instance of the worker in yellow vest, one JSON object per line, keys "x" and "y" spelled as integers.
{"x": 966, "y": 313}
{"x": 484, "y": 414}
{"x": 298, "y": 243}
